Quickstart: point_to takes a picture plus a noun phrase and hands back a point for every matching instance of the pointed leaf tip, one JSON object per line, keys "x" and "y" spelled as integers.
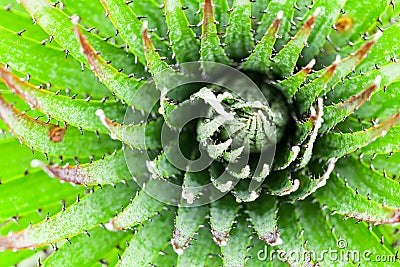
{"x": 279, "y": 16}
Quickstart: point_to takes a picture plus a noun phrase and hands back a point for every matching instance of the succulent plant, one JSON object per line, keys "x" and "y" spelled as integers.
{"x": 199, "y": 133}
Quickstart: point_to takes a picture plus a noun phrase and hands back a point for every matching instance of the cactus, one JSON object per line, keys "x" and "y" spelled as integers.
{"x": 199, "y": 133}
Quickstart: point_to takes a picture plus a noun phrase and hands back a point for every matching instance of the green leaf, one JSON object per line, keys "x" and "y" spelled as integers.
{"x": 142, "y": 207}
{"x": 166, "y": 257}
{"x": 129, "y": 89}
{"x": 146, "y": 135}
{"x": 285, "y": 61}
{"x": 84, "y": 215}
{"x": 334, "y": 114}
{"x": 319, "y": 238}
{"x": 385, "y": 49}
{"x": 281, "y": 184}
{"x": 269, "y": 15}
{"x": 12, "y": 5}
{"x": 349, "y": 234}
{"x": 221, "y": 10}
{"x": 235, "y": 252}
{"x": 35, "y": 56}
{"x": 198, "y": 250}
{"x": 187, "y": 222}
{"x": 54, "y": 22}
{"x": 183, "y": 39}
{"x": 91, "y": 13}
{"x": 223, "y": 213}
{"x": 291, "y": 85}
{"x": 145, "y": 245}
{"x": 357, "y": 84}
{"x": 260, "y": 58}
{"x": 211, "y": 49}
{"x": 239, "y": 38}
{"x": 52, "y": 139}
{"x": 356, "y": 19}
{"x": 263, "y": 215}
{"x": 292, "y": 236}
{"x": 153, "y": 12}
{"x": 192, "y": 12}
{"x": 153, "y": 59}
{"x": 337, "y": 145}
{"x": 311, "y": 183}
{"x": 93, "y": 246}
{"x": 308, "y": 93}
{"x": 369, "y": 182}
{"x": 352, "y": 204}
{"x": 382, "y": 104}
{"x": 385, "y": 162}
{"x": 15, "y": 159}
{"x": 18, "y": 223}
{"x": 17, "y": 21}
{"x": 76, "y": 112}
{"x": 10, "y": 258}
{"x": 99, "y": 172}
{"x": 43, "y": 191}
{"x": 389, "y": 143}
{"x": 259, "y": 255}
{"x": 329, "y": 11}
{"x": 131, "y": 32}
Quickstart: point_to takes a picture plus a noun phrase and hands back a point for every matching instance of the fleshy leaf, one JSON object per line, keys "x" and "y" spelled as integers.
{"x": 338, "y": 145}
{"x": 197, "y": 252}
{"x": 16, "y": 201}
{"x": 146, "y": 135}
{"x": 285, "y": 61}
{"x": 145, "y": 245}
{"x": 290, "y": 85}
{"x": 76, "y": 112}
{"x": 129, "y": 89}
{"x": 357, "y": 84}
{"x": 223, "y": 213}
{"x": 387, "y": 144}
{"x": 142, "y": 207}
{"x": 96, "y": 243}
{"x": 318, "y": 238}
{"x": 281, "y": 184}
{"x": 52, "y": 139}
{"x": 131, "y": 32}
{"x": 330, "y": 10}
{"x": 308, "y": 93}
{"x": 54, "y": 22}
{"x": 187, "y": 222}
{"x": 183, "y": 39}
{"x": 235, "y": 252}
{"x": 35, "y": 56}
{"x": 260, "y": 58}
{"x": 83, "y": 215}
{"x": 98, "y": 172}
{"x": 239, "y": 38}
{"x": 91, "y": 14}
{"x": 308, "y": 185}
{"x": 269, "y": 15}
{"x": 352, "y": 204}
{"x": 15, "y": 159}
{"x": 369, "y": 182}
{"x": 292, "y": 236}
{"x": 211, "y": 49}
{"x": 336, "y": 113}
{"x": 263, "y": 215}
